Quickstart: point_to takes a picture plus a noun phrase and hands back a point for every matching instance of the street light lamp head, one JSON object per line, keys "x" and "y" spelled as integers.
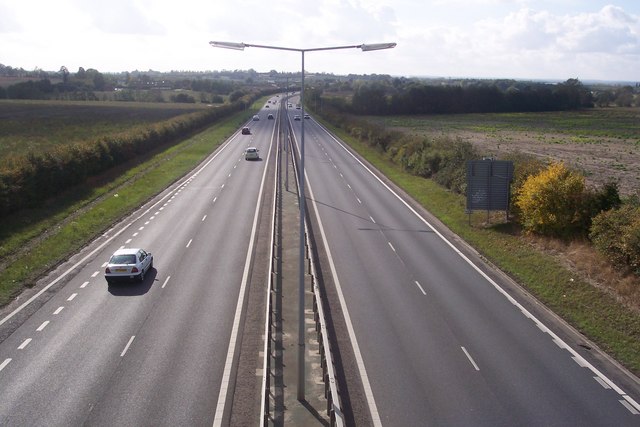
{"x": 377, "y": 46}
{"x": 228, "y": 45}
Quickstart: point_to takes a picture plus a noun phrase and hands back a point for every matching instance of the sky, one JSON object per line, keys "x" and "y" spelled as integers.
{"x": 519, "y": 39}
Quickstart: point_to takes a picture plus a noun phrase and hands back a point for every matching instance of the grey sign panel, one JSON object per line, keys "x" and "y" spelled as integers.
{"x": 488, "y": 183}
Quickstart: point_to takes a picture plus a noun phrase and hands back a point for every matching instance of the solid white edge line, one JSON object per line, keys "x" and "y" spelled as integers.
{"x": 364, "y": 377}
{"x": 226, "y": 376}
{"x": 473, "y": 362}
{"x": 5, "y": 363}
{"x": 484, "y": 275}
{"x": 632, "y": 403}
{"x": 629, "y": 407}
{"x": 126, "y": 347}
{"x": 108, "y": 240}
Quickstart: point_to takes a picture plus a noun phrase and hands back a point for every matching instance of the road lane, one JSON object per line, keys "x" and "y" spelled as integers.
{"x": 440, "y": 344}
{"x": 175, "y": 326}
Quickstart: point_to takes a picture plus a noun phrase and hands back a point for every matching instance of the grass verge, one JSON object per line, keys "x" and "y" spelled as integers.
{"x": 51, "y": 237}
{"x": 595, "y": 313}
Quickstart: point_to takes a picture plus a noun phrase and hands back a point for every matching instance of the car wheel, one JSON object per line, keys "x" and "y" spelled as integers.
{"x": 141, "y": 276}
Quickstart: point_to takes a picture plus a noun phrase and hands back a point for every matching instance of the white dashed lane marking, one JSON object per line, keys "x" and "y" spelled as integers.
{"x": 166, "y": 281}
{"x": 44, "y": 325}
{"x": 470, "y": 358}
{"x": 126, "y": 347}
{"x": 420, "y": 287}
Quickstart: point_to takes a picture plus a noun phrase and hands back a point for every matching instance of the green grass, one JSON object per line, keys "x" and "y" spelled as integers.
{"x": 67, "y": 225}
{"x": 613, "y": 327}
{"x": 35, "y": 126}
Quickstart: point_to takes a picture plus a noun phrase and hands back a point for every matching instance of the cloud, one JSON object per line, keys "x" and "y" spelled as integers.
{"x": 8, "y": 20}
{"x": 610, "y": 31}
{"x": 119, "y": 16}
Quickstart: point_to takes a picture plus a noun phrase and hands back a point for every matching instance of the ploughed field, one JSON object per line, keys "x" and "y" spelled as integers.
{"x": 604, "y": 143}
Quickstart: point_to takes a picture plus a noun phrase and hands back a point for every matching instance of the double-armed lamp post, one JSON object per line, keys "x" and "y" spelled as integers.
{"x": 301, "y": 263}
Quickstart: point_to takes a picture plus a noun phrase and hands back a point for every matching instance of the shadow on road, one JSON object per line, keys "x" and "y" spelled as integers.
{"x": 133, "y": 288}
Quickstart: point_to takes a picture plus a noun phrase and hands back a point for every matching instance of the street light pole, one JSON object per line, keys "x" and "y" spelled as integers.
{"x": 302, "y": 200}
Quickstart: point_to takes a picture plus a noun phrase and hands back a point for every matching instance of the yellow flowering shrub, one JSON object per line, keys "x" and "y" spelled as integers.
{"x": 551, "y": 202}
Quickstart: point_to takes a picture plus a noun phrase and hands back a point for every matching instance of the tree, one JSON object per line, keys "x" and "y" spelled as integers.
{"x": 572, "y": 95}
{"x": 65, "y": 75}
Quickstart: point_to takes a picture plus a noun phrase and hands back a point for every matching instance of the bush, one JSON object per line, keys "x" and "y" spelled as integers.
{"x": 552, "y": 202}
{"x": 616, "y": 234}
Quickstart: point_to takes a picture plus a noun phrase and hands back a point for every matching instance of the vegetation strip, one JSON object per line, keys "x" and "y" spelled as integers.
{"x": 595, "y": 313}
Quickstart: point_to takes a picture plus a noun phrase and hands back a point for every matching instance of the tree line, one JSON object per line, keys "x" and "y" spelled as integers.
{"x": 376, "y": 98}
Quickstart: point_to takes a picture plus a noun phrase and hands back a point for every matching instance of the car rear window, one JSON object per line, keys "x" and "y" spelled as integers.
{"x": 123, "y": 259}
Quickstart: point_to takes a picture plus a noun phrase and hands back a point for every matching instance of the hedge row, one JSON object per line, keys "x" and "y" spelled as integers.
{"x": 36, "y": 177}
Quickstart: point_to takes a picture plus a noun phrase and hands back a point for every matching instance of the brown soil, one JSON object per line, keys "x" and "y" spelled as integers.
{"x": 609, "y": 159}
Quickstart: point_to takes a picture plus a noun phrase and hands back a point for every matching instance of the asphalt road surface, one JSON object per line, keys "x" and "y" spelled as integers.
{"x": 152, "y": 353}
{"x": 434, "y": 339}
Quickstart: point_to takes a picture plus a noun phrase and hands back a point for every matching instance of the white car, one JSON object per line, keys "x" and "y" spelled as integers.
{"x": 128, "y": 264}
{"x": 251, "y": 153}
{"x": 296, "y": 117}
{"x": 256, "y": 118}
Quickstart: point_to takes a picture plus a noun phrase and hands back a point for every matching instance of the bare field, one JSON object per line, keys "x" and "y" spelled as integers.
{"x": 603, "y": 143}
{"x": 35, "y": 126}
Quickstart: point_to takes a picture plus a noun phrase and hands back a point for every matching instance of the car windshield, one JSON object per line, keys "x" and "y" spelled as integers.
{"x": 123, "y": 259}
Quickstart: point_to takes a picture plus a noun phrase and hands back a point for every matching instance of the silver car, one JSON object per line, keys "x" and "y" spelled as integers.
{"x": 251, "y": 153}
{"x": 128, "y": 264}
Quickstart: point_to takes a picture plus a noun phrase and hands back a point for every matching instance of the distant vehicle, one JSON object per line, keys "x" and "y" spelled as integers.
{"x": 256, "y": 118}
{"x": 128, "y": 264}
{"x": 296, "y": 117}
{"x": 266, "y": 106}
{"x": 306, "y": 116}
{"x": 289, "y": 105}
{"x": 251, "y": 153}
{"x": 270, "y": 117}
{"x": 246, "y": 131}
{"x": 297, "y": 106}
